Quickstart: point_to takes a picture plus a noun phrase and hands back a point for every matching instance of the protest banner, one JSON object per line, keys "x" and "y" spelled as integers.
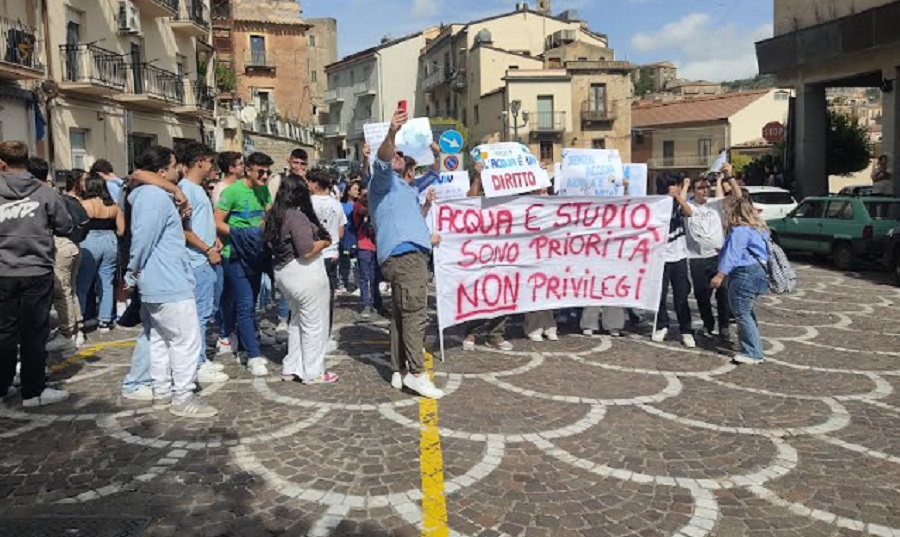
{"x": 450, "y": 186}
{"x": 637, "y": 179}
{"x": 509, "y": 168}
{"x": 591, "y": 172}
{"x": 533, "y": 253}
{"x": 414, "y": 139}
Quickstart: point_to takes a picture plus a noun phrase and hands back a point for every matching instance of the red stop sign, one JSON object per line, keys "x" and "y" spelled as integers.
{"x": 773, "y": 132}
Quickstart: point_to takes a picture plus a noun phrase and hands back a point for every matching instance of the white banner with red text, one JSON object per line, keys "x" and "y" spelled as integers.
{"x": 509, "y": 168}
{"x": 533, "y": 253}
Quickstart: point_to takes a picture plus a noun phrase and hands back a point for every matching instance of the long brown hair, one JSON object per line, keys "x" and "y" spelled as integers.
{"x": 740, "y": 212}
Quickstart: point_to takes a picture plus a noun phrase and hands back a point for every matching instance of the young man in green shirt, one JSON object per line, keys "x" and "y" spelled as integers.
{"x": 240, "y": 213}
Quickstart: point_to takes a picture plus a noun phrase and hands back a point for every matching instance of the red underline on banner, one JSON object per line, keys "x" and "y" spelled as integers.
{"x": 464, "y": 316}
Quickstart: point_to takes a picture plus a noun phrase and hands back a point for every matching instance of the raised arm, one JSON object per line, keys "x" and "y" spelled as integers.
{"x": 149, "y": 178}
{"x": 388, "y": 148}
{"x": 686, "y": 210}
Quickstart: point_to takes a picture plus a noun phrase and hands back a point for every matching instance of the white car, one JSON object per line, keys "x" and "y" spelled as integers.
{"x": 771, "y": 202}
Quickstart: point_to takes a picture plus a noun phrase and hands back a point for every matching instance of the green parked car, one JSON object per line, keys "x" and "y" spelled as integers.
{"x": 846, "y": 228}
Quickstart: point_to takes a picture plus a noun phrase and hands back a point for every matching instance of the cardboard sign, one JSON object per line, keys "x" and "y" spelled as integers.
{"x": 591, "y": 172}
{"x": 509, "y": 168}
{"x": 414, "y": 139}
{"x": 534, "y": 253}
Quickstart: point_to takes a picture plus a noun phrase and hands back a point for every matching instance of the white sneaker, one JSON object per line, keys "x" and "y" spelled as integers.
{"x": 79, "y": 339}
{"x": 223, "y": 346}
{"x": 660, "y": 335}
{"x": 397, "y": 381}
{"x": 193, "y": 408}
{"x": 60, "y": 344}
{"x": 282, "y": 327}
{"x": 422, "y": 385}
{"x": 47, "y": 397}
{"x": 216, "y": 366}
{"x": 468, "y": 344}
{"x": 356, "y": 292}
{"x": 265, "y": 340}
{"x": 207, "y": 374}
{"x": 257, "y": 366}
{"x": 588, "y": 333}
{"x": 536, "y": 337}
{"x": 615, "y": 333}
{"x": 744, "y": 359}
{"x": 551, "y": 335}
{"x": 143, "y": 393}
{"x": 688, "y": 341}
{"x": 501, "y": 345}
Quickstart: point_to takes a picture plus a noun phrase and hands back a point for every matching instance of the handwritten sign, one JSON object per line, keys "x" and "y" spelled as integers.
{"x": 414, "y": 139}
{"x": 591, "y": 172}
{"x": 450, "y": 186}
{"x": 533, "y": 253}
{"x": 509, "y": 168}
{"x": 637, "y": 179}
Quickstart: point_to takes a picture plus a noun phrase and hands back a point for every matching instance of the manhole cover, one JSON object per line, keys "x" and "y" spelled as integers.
{"x": 73, "y": 527}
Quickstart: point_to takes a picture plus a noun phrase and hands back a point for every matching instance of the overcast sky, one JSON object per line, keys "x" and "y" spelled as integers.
{"x": 706, "y": 39}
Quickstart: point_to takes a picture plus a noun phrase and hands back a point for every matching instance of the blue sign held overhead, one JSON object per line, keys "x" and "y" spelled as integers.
{"x": 451, "y": 142}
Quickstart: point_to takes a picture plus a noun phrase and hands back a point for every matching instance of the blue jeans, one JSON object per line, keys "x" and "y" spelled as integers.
{"x": 139, "y": 374}
{"x": 217, "y": 296}
{"x": 243, "y": 291}
{"x": 98, "y": 264}
{"x": 745, "y": 284}
{"x": 204, "y": 296}
{"x": 369, "y": 278}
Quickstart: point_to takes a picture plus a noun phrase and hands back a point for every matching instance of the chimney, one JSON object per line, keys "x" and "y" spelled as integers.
{"x": 545, "y": 6}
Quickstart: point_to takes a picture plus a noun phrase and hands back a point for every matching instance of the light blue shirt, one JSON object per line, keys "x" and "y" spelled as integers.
{"x": 396, "y": 214}
{"x": 114, "y": 186}
{"x": 158, "y": 261}
{"x": 744, "y": 246}
{"x": 202, "y": 221}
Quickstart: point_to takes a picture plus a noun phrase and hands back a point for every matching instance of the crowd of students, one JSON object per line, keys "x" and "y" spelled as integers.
{"x": 191, "y": 239}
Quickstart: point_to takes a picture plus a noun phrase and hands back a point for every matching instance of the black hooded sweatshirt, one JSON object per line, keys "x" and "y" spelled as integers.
{"x": 31, "y": 213}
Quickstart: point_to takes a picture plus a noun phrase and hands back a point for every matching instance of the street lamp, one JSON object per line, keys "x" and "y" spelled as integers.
{"x": 516, "y": 106}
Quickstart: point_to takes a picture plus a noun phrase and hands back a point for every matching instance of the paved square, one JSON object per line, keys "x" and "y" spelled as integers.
{"x": 585, "y": 437}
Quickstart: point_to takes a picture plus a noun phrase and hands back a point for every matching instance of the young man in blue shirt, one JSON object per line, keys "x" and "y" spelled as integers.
{"x": 158, "y": 265}
{"x": 403, "y": 244}
{"x": 204, "y": 249}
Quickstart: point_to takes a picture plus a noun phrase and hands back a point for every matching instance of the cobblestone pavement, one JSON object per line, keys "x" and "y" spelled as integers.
{"x": 585, "y": 437}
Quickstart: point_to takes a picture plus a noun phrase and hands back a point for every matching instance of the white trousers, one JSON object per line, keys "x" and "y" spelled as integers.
{"x": 306, "y": 287}
{"x": 613, "y": 318}
{"x": 174, "y": 335}
{"x": 538, "y": 323}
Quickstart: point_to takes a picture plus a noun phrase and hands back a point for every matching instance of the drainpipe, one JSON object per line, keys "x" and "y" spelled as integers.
{"x": 51, "y": 148}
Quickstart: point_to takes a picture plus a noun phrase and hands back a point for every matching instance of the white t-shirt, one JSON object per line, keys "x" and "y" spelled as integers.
{"x": 331, "y": 215}
{"x": 705, "y": 232}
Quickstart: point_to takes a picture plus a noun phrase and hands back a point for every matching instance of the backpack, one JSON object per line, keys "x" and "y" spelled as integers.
{"x": 80, "y": 219}
{"x": 779, "y": 273}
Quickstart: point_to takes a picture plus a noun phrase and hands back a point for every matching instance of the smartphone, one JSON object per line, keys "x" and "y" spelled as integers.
{"x": 402, "y": 105}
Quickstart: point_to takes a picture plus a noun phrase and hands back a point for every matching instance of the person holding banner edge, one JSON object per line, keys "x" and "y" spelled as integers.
{"x": 676, "y": 270}
{"x": 403, "y": 244}
{"x": 496, "y": 327}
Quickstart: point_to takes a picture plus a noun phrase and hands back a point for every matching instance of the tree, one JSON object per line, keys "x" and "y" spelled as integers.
{"x": 847, "y": 146}
{"x": 644, "y": 85}
{"x": 739, "y": 162}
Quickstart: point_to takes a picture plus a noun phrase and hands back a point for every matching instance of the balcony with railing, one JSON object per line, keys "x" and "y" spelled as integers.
{"x": 150, "y": 86}
{"x": 335, "y": 130}
{"x": 333, "y": 96}
{"x": 596, "y": 112}
{"x": 441, "y": 75}
{"x": 198, "y": 99}
{"x": 547, "y": 122}
{"x": 362, "y": 89}
{"x": 192, "y": 19}
{"x": 21, "y": 49}
{"x": 157, "y": 8}
{"x": 683, "y": 162}
{"x": 89, "y": 69}
{"x": 258, "y": 60}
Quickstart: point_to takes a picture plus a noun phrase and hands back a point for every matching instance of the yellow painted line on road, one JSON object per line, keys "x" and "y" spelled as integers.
{"x": 88, "y": 352}
{"x": 431, "y": 464}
